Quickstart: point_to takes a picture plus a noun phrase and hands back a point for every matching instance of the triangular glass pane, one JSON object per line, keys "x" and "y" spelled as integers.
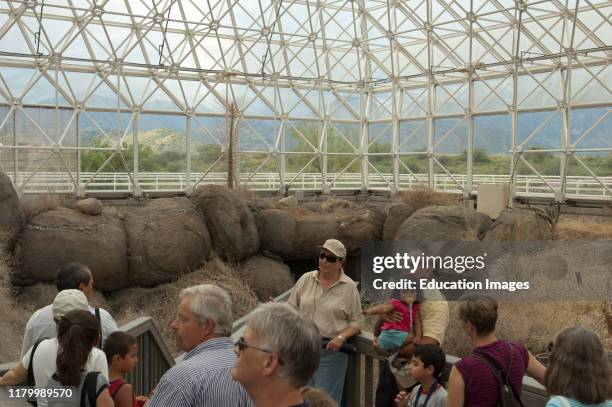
{"x": 104, "y": 96}
{"x": 380, "y": 137}
{"x": 452, "y": 98}
{"x": 209, "y": 145}
{"x": 413, "y": 136}
{"x": 548, "y": 137}
{"x": 254, "y": 104}
{"x": 76, "y": 48}
{"x": 81, "y": 84}
{"x": 297, "y": 106}
{"x": 159, "y": 100}
{"x": 44, "y": 93}
{"x": 337, "y": 107}
{"x": 342, "y": 138}
{"x": 17, "y": 79}
{"x": 585, "y": 89}
{"x": 583, "y": 120}
{"x": 415, "y": 102}
{"x": 258, "y": 135}
{"x": 13, "y": 41}
{"x": 302, "y": 137}
{"x": 492, "y": 94}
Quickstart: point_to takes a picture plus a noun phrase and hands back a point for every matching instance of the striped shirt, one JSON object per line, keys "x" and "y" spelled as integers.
{"x": 203, "y": 378}
{"x": 481, "y": 385}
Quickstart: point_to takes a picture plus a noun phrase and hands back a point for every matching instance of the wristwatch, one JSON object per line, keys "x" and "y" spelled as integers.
{"x": 341, "y": 338}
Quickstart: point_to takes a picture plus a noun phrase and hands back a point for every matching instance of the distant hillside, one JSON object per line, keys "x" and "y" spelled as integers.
{"x": 163, "y": 140}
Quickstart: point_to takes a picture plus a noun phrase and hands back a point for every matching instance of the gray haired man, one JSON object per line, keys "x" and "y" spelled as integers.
{"x": 276, "y": 356}
{"x": 203, "y": 378}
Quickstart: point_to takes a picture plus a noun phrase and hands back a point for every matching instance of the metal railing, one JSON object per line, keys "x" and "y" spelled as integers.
{"x": 528, "y": 185}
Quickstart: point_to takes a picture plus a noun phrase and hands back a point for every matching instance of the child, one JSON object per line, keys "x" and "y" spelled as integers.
{"x": 426, "y": 368}
{"x": 122, "y": 355}
{"x": 394, "y": 335}
{"x": 578, "y": 373}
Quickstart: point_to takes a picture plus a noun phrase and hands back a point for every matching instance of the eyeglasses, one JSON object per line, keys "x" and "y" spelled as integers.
{"x": 242, "y": 345}
{"x": 330, "y": 259}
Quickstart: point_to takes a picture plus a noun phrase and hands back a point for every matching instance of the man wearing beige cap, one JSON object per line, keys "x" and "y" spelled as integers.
{"x": 43, "y": 358}
{"x": 330, "y": 299}
{"x": 41, "y": 325}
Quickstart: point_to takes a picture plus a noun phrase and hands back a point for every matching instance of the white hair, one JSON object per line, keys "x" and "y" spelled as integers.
{"x": 294, "y": 339}
{"x": 210, "y": 302}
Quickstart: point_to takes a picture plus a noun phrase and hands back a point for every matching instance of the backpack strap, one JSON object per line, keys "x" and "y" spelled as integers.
{"x": 31, "y": 381}
{"x": 97, "y": 312}
{"x": 89, "y": 389}
{"x": 502, "y": 377}
{"x": 31, "y": 365}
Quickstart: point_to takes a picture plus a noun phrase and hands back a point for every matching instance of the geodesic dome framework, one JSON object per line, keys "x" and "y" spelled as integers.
{"x": 137, "y": 96}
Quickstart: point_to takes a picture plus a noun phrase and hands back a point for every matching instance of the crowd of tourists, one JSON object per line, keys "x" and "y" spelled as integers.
{"x": 296, "y": 353}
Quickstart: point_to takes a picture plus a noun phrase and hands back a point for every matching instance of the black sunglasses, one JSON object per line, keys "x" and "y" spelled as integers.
{"x": 242, "y": 345}
{"x": 330, "y": 259}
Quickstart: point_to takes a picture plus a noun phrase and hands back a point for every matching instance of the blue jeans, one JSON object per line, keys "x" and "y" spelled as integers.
{"x": 331, "y": 373}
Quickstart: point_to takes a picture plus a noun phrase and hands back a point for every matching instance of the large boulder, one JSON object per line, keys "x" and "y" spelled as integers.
{"x": 230, "y": 221}
{"x": 11, "y": 212}
{"x": 312, "y": 229}
{"x": 89, "y": 206}
{"x": 64, "y": 235}
{"x": 277, "y": 231}
{"x": 358, "y": 226}
{"x": 443, "y": 223}
{"x": 296, "y": 233}
{"x": 266, "y": 276}
{"x": 521, "y": 224}
{"x": 396, "y": 215}
{"x": 166, "y": 238}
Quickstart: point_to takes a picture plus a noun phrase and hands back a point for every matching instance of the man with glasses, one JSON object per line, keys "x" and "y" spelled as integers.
{"x": 203, "y": 325}
{"x": 330, "y": 299}
{"x": 276, "y": 356}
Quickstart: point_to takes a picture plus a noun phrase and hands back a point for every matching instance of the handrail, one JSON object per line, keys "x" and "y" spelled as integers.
{"x": 526, "y": 185}
{"x": 533, "y": 395}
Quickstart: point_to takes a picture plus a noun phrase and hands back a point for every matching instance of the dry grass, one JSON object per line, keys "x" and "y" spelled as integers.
{"x": 267, "y": 277}
{"x": 577, "y": 230}
{"x": 12, "y": 318}
{"x": 535, "y": 324}
{"x": 422, "y": 196}
{"x": 333, "y": 204}
{"x": 160, "y": 302}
